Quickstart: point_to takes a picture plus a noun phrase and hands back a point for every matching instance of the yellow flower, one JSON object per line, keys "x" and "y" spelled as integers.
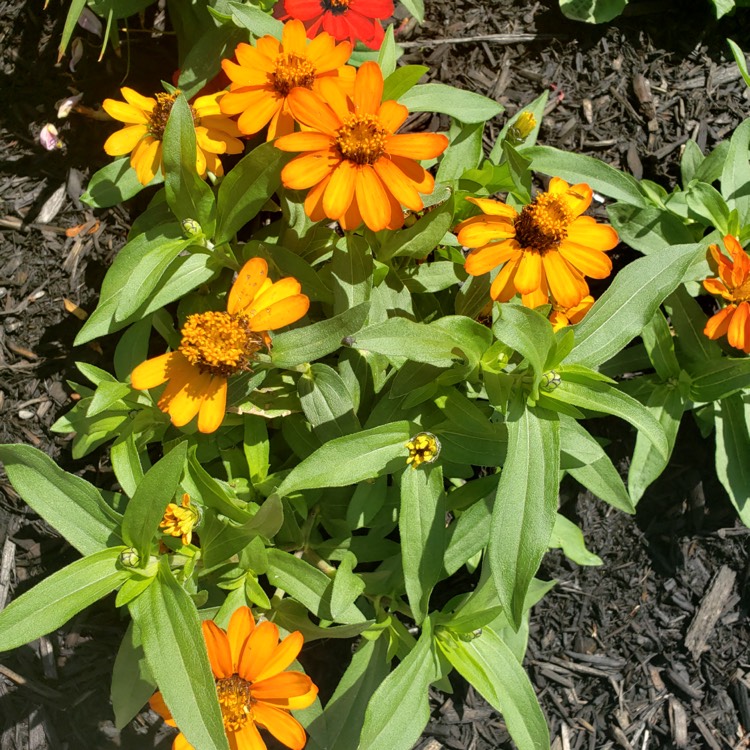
{"x": 733, "y": 284}
{"x": 424, "y": 448}
{"x": 216, "y": 345}
{"x": 248, "y": 664}
{"x": 519, "y": 131}
{"x": 356, "y": 166}
{"x": 268, "y": 72}
{"x": 180, "y": 520}
{"x": 565, "y": 316}
{"x": 146, "y": 118}
{"x": 546, "y": 250}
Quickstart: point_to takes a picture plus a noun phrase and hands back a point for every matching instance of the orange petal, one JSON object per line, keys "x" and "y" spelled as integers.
{"x": 309, "y": 169}
{"x": 368, "y": 88}
{"x": 214, "y": 406}
{"x": 243, "y": 75}
{"x": 125, "y": 140}
{"x": 398, "y": 184}
{"x": 586, "y": 231}
{"x": 714, "y": 286}
{"x": 258, "y": 650}
{"x": 717, "y": 325}
{"x": 294, "y": 38}
{"x": 260, "y": 57}
{"x": 588, "y": 261}
{"x": 482, "y": 230}
{"x": 234, "y": 102}
{"x": 503, "y": 287}
{"x": 486, "y": 258}
{"x": 566, "y": 284}
{"x": 282, "y": 725}
{"x": 245, "y": 288}
{"x": 396, "y": 220}
{"x": 340, "y": 191}
{"x": 282, "y": 313}
{"x": 247, "y": 738}
{"x": 156, "y": 702}
{"x": 737, "y": 332}
{"x": 352, "y": 219}
{"x": 576, "y": 314}
{"x": 309, "y": 109}
{"x": 268, "y": 46}
{"x": 282, "y": 123}
{"x": 305, "y": 141}
{"x": 241, "y": 625}
{"x": 185, "y": 404}
{"x": 280, "y": 290}
{"x": 314, "y": 200}
{"x": 330, "y": 90}
{"x": 283, "y": 655}
{"x": 180, "y": 743}
{"x": 372, "y": 199}
{"x": 260, "y": 113}
{"x": 416, "y": 145}
{"x": 218, "y": 649}
{"x": 146, "y": 159}
{"x": 577, "y": 197}
{"x": 124, "y": 112}
{"x": 334, "y": 59}
{"x": 529, "y": 274}
{"x": 146, "y": 103}
{"x": 494, "y": 208}
{"x": 158, "y": 370}
{"x": 284, "y": 685}
{"x": 392, "y": 115}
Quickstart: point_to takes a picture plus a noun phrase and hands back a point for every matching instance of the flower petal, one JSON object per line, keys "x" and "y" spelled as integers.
{"x": 737, "y": 332}
{"x": 392, "y": 115}
{"x": 156, "y": 702}
{"x": 416, "y": 145}
{"x": 146, "y": 103}
{"x": 494, "y": 208}
{"x": 333, "y": 94}
{"x": 586, "y": 231}
{"x": 125, "y": 140}
{"x": 158, "y": 370}
{"x": 185, "y": 404}
{"x": 372, "y": 199}
{"x": 423, "y": 181}
{"x": 283, "y": 655}
{"x": 304, "y": 141}
{"x": 305, "y": 171}
{"x": 565, "y": 282}
{"x": 214, "y": 406}
{"x": 529, "y": 274}
{"x": 284, "y": 685}
{"x": 180, "y": 742}
{"x": 146, "y": 159}
{"x": 486, "y": 258}
{"x": 340, "y": 191}
{"x": 588, "y": 261}
{"x": 503, "y": 287}
{"x": 258, "y": 649}
{"x": 314, "y": 200}
{"x": 482, "y": 230}
{"x": 279, "y": 290}
{"x": 280, "y": 314}
{"x": 124, "y": 112}
{"x": 260, "y": 113}
{"x": 282, "y": 725}
{"x": 294, "y": 38}
{"x": 717, "y": 325}
{"x": 245, "y": 288}
{"x": 368, "y": 88}
{"x": 247, "y": 738}
{"x": 241, "y": 625}
{"x": 310, "y": 110}
{"x": 399, "y": 184}
{"x": 218, "y": 649}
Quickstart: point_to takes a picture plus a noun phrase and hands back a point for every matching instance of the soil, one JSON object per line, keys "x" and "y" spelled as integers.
{"x": 611, "y": 652}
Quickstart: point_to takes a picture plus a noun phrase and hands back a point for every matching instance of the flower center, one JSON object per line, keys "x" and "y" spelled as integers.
{"x": 337, "y": 7}
{"x": 291, "y": 71}
{"x": 361, "y": 139}
{"x": 235, "y": 701}
{"x": 424, "y": 448}
{"x": 543, "y": 224}
{"x": 218, "y": 342}
{"x": 741, "y": 293}
{"x": 157, "y": 120}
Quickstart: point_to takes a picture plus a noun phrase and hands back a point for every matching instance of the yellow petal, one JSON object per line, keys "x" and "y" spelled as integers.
{"x": 247, "y": 738}
{"x": 529, "y": 274}
{"x": 284, "y": 685}
{"x": 399, "y": 184}
{"x": 305, "y": 141}
{"x": 186, "y": 403}
{"x": 282, "y": 313}
{"x": 158, "y": 370}
{"x": 566, "y": 284}
{"x": 586, "y": 231}
{"x": 503, "y": 287}
{"x": 249, "y": 280}
{"x": 146, "y": 159}
{"x": 156, "y": 702}
{"x": 214, "y": 406}
{"x": 282, "y": 725}
{"x": 259, "y": 114}
{"x": 294, "y": 38}
{"x": 146, "y": 103}
{"x": 494, "y": 208}
{"x": 486, "y": 258}
{"x": 588, "y": 261}
{"x": 392, "y": 115}
{"x": 482, "y": 230}
{"x": 124, "y": 112}
{"x": 310, "y": 110}
{"x": 340, "y": 191}
{"x": 125, "y": 140}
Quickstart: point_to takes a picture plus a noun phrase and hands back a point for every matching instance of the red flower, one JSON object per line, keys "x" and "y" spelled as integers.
{"x": 355, "y": 20}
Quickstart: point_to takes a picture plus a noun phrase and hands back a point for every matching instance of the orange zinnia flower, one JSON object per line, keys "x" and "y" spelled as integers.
{"x": 254, "y": 691}
{"x": 544, "y": 251}
{"x": 733, "y": 284}
{"x": 216, "y": 345}
{"x": 145, "y": 120}
{"x": 358, "y": 169}
{"x": 180, "y": 520}
{"x": 566, "y": 316}
{"x": 270, "y": 70}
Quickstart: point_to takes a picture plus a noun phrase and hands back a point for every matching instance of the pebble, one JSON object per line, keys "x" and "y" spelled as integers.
{"x": 26, "y": 414}
{"x": 11, "y": 324}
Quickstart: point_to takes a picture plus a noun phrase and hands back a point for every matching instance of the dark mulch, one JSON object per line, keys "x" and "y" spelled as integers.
{"x": 609, "y": 650}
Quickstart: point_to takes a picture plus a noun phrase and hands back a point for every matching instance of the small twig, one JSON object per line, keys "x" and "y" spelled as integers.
{"x": 497, "y": 38}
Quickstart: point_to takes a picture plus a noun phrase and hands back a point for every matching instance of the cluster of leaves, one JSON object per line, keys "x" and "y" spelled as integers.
{"x": 310, "y": 512}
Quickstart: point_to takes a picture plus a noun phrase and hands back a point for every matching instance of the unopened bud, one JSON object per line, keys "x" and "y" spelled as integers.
{"x": 520, "y": 130}
{"x": 191, "y": 228}
{"x": 129, "y": 558}
{"x": 424, "y": 448}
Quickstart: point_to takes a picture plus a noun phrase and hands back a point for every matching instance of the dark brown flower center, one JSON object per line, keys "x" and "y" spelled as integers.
{"x": 157, "y": 119}
{"x": 361, "y": 139}
{"x": 543, "y": 224}
{"x": 337, "y": 7}
{"x": 291, "y": 71}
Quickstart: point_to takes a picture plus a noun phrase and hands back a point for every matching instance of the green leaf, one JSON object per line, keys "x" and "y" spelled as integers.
{"x": 256, "y": 447}
{"x": 469, "y": 535}
{"x": 347, "y": 586}
{"x": 692, "y": 158}
{"x": 248, "y": 186}
{"x": 351, "y": 459}
{"x": 256, "y": 20}
{"x": 525, "y": 506}
{"x": 74, "y": 13}
{"x": 314, "y": 341}
{"x": 212, "y": 493}
{"x": 70, "y": 504}
{"x": 706, "y": 202}
{"x": 717, "y": 379}
{"x": 344, "y": 713}
{"x": 586, "y": 461}
{"x": 739, "y": 58}
{"x": 401, "y": 80}
{"x": 489, "y": 665}
{"x": 422, "y": 238}
{"x": 421, "y": 525}
{"x": 388, "y": 54}
{"x": 51, "y": 603}
{"x": 126, "y": 462}
{"x": 712, "y": 166}
{"x": 176, "y": 653}
{"x": 351, "y": 274}
{"x": 733, "y": 453}
{"x": 327, "y": 403}
{"x": 569, "y": 538}
{"x": 465, "y": 151}
{"x": 689, "y": 320}
{"x": 535, "y": 108}
{"x": 594, "y": 172}
{"x": 465, "y": 106}
{"x": 419, "y": 342}
{"x": 735, "y": 176}
{"x": 132, "y": 683}
{"x": 114, "y": 184}
{"x": 607, "y": 399}
{"x": 667, "y": 404}
{"x": 400, "y": 708}
{"x": 592, "y": 11}
{"x": 188, "y": 195}
{"x": 146, "y": 507}
{"x": 416, "y": 8}
{"x": 657, "y": 338}
{"x": 648, "y": 229}
{"x": 308, "y": 585}
{"x": 132, "y": 348}
{"x": 629, "y": 304}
